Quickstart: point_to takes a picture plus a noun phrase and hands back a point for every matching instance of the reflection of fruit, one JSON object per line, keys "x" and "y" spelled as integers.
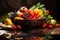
{"x": 7, "y": 35}
{"x": 18, "y": 18}
{"x": 41, "y": 38}
{"x": 8, "y": 21}
{"x": 50, "y": 26}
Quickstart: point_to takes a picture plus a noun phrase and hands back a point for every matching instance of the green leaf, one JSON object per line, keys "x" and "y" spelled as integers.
{"x": 43, "y": 8}
{"x": 38, "y": 5}
{"x": 47, "y": 36}
{"x": 42, "y": 5}
{"x": 48, "y": 22}
{"x": 10, "y": 14}
{"x": 33, "y": 7}
{"x": 45, "y": 15}
{"x": 3, "y": 18}
{"x": 50, "y": 17}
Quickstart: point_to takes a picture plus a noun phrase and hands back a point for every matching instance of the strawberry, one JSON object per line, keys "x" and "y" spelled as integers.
{"x": 50, "y": 26}
{"x": 34, "y": 18}
{"x": 44, "y": 25}
{"x": 13, "y": 26}
{"x": 18, "y": 26}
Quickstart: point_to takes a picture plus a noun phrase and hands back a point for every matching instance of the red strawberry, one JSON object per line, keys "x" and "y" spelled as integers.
{"x": 18, "y": 26}
{"x": 34, "y": 18}
{"x": 50, "y": 26}
{"x": 44, "y": 25}
{"x": 13, "y": 26}
{"x": 58, "y": 25}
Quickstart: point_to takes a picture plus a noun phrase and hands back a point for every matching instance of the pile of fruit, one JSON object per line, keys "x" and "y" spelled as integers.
{"x": 36, "y": 12}
{"x": 51, "y": 24}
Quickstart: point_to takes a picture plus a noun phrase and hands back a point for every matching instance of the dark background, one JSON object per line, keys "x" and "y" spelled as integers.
{"x": 9, "y": 5}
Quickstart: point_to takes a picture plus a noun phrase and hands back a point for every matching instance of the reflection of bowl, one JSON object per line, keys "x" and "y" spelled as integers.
{"x": 30, "y": 24}
{"x": 7, "y": 35}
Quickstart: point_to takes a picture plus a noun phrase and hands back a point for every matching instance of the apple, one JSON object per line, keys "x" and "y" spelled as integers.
{"x": 50, "y": 26}
{"x": 53, "y": 22}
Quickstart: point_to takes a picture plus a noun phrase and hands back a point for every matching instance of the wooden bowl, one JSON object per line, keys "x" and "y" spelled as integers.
{"x": 30, "y": 24}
